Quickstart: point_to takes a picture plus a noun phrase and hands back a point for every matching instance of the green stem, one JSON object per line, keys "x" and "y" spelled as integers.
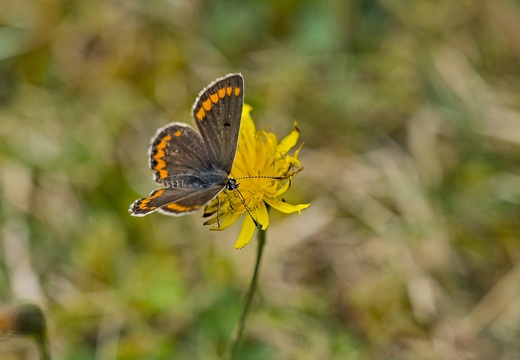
{"x": 239, "y": 329}
{"x": 43, "y": 346}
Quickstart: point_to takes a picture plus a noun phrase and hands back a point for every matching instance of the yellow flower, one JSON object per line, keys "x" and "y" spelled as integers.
{"x": 263, "y": 168}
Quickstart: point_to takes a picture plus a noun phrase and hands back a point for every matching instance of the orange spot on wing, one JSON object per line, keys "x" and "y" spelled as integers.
{"x": 207, "y": 105}
{"x": 200, "y": 114}
{"x": 237, "y": 91}
{"x": 144, "y": 202}
{"x": 178, "y": 133}
{"x": 221, "y": 93}
{"x": 229, "y": 90}
{"x": 180, "y": 208}
{"x": 214, "y": 97}
{"x": 159, "y": 157}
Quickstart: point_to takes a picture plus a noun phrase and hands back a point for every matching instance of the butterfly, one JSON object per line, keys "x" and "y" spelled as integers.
{"x": 193, "y": 167}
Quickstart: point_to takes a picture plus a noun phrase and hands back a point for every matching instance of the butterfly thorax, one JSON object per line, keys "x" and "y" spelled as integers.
{"x": 202, "y": 180}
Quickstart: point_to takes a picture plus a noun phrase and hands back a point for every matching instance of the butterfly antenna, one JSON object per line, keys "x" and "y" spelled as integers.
{"x": 242, "y": 200}
{"x": 287, "y": 176}
{"x": 233, "y": 185}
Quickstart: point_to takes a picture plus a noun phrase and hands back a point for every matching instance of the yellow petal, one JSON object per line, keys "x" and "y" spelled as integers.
{"x": 226, "y": 221}
{"x": 289, "y": 141}
{"x": 293, "y": 160}
{"x": 261, "y": 215}
{"x": 297, "y": 152}
{"x": 246, "y": 233}
{"x": 247, "y": 151}
{"x": 230, "y": 219}
{"x": 283, "y": 188}
{"x": 247, "y": 124}
{"x": 285, "y": 207}
{"x": 270, "y": 139}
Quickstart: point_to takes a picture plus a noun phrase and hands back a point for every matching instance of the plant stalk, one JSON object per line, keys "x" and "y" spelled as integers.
{"x": 239, "y": 328}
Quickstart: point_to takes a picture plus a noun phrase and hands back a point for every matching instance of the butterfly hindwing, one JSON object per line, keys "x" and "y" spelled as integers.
{"x": 177, "y": 149}
{"x": 176, "y": 201}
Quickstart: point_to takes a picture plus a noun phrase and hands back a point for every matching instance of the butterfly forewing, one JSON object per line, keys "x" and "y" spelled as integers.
{"x": 217, "y": 113}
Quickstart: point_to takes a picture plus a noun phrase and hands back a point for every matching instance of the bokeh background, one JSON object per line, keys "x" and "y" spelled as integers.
{"x": 410, "y": 114}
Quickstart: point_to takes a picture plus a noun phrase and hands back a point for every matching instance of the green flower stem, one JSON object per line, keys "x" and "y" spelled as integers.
{"x": 239, "y": 329}
{"x": 43, "y": 346}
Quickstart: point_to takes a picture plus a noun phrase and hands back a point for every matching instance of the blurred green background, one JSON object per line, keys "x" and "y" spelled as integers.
{"x": 410, "y": 112}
